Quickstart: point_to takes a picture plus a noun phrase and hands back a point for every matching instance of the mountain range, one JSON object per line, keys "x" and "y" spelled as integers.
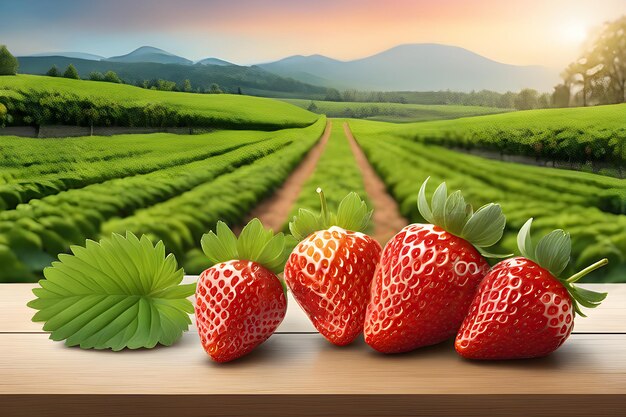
{"x": 410, "y": 67}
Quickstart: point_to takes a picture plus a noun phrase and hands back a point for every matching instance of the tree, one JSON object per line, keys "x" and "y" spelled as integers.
{"x": 71, "y": 72}
{"x": 598, "y": 76}
{"x": 561, "y": 95}
{"x": 239, "y": 91}
{"x": 332, "y": 94}
{"x": 312, "y": 107}
{"x": 187, "y": 86}
{"x": 53, "y": 71}
{"x": 544, "y": 101}
{"x": 507, "y": 100}
{"x": 164, "y": 85}
{"x": 96, "y": 76}
{"x": 215, "y": 89}
{"x": 111, "y": 77}
{"x": 527, "y": 99}
{"x": 8, "y": 63}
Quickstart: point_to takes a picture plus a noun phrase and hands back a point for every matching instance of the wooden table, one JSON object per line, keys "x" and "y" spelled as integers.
{"x": 297, "y": 373}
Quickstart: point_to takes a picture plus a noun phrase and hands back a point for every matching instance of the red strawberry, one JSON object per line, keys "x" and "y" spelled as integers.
{"x": 429, "y": 273}
{"x": 522, "y": 310}
{"x": 330, "y": 271}
{"x": 239, "y": 300}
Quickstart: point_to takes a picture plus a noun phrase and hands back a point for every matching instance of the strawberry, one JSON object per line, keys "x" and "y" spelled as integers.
{"x": 330, "y": 270}
{"x": 239, "y": 300}
{"x": 428, "y": 273}
{"x": 522, "y": 309}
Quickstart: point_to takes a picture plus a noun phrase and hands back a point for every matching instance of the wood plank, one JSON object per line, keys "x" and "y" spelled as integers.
{"x": 306, "y": 364}
{"x": 610, "y": 317}
{"x": 427, "y": 405}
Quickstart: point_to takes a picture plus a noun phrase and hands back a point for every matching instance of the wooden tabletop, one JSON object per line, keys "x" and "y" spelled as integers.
{"x": 296, "y": 372}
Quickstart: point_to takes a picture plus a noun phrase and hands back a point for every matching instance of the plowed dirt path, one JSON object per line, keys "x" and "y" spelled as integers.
{"x": 274, "y": 210}
{"x": 387, "y": 219}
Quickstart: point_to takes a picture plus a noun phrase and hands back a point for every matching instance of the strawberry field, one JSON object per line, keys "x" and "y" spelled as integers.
{"x": 591, "y": 207}
{"x": 57, "y": 193}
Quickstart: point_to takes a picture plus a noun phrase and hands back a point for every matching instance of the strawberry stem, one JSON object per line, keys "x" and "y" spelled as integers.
{"x": 577, "y": 276}
{"x": 325, "y": 215}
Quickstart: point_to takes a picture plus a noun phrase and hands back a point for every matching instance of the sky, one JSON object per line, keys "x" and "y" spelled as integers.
{"x": 522, "y": 32}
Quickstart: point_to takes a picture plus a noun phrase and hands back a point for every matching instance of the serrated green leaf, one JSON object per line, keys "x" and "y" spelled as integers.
{"x": 553, "y": 251}
{"x": 255, "y": 243}
{"x": 485, "y": 227}
{"x": 304, "y": 223}
{"x": 455, "y": 212}
{"x": 121, "y": 292}
{"x": 482, "y": 228}
{"x": 352, "y": 214}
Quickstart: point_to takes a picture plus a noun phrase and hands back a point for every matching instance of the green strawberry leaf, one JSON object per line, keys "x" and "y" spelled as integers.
{"x": 255, "y": 243}
{"x": 553, "y": 253}
{"x": 483, "y": 228}
{"x": 121, "y": 292}
{"x": 352, "y": 214}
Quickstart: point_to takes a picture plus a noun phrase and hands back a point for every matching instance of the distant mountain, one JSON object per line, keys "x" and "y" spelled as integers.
{"x": 415, "y": 67}
{"x": 150, "y": 54}
{"x": 213, "y": 61}
{"x": 80, "y": 55}
{"x": 251, "y": 80}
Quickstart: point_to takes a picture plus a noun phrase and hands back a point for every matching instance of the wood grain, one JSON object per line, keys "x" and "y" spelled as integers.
{"x": 297, "y": 372}
{"x": 306, "y": 364}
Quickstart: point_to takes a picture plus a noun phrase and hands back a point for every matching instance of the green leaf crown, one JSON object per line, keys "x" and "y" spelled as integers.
{"x": 552, "y": 253}
{"x": 121, "y": 292}
{"x": 255, "y": 243}
{"x": 483, "y": 228}
{"x": 352, "y": 214}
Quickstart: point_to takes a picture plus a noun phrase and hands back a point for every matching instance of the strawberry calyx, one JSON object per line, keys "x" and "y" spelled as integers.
{"x": 552, "y": 253}
{"x": 255, "y": 243}
{"x": 352, "y": 214}
{"x": 483, "y": 228}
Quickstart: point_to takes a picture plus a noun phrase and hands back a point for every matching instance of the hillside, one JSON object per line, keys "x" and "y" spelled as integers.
{"x": 222, "y": 109}
{"x": 229, "y": 77}
{"x": 415, "y": 67}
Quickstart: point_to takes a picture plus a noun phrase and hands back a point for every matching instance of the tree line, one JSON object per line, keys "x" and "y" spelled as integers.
{"x": 526, "y": 99}
{"x": 598, "y": 76}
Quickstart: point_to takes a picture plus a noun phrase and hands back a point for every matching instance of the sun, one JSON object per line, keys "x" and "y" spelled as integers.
{"x": 573, "y": 31}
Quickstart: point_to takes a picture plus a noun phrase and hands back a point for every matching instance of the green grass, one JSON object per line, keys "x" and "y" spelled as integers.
{"x": 175, "y": 202}
{"x": 572, "y": 134}
{"x": 591, "y": 207}
{"x": 394, "y": 112}
{"x": 229, "y": 108}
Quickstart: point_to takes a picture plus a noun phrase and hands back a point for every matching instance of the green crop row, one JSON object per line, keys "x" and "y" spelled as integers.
{"x": 591, "y": 207}
{"x": 576, "y": 135}
{"x": 27, "y": 174}
{"x": 181, "y": 221}
{"x": 34, "y": 233}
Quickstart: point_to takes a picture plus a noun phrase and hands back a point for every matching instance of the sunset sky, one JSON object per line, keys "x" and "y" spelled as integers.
{"x": 544, "y": 32}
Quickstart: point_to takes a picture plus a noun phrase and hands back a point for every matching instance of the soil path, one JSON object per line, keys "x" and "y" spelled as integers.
{"x": 387, "y": 219}
{"x": 274, "y": 210}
